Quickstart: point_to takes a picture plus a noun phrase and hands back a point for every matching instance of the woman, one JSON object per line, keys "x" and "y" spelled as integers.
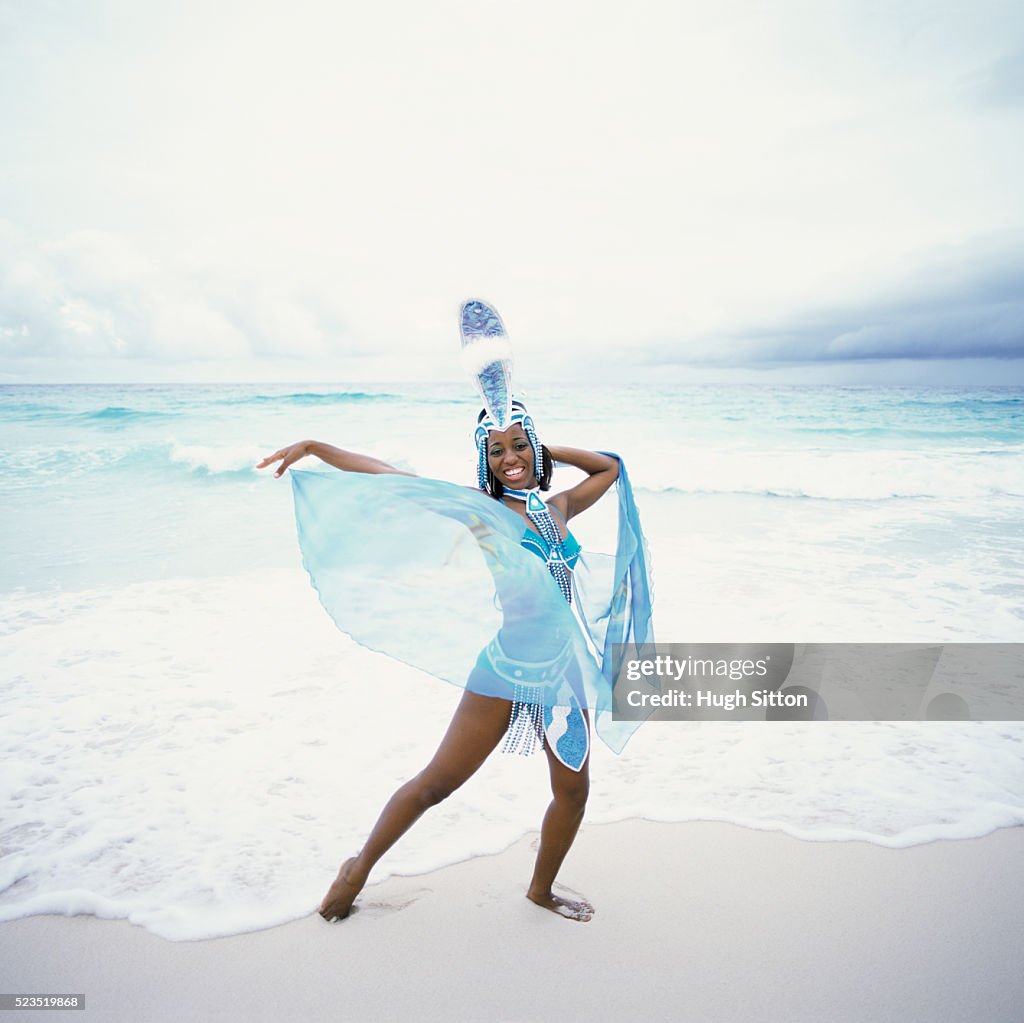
{"x": 513, "y": 466}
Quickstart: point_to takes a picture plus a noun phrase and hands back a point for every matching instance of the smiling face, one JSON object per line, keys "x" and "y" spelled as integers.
{"x": 510, "y": 457}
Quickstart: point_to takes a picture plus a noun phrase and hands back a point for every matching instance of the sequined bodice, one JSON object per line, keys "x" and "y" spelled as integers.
{"x": 534, "y": 542}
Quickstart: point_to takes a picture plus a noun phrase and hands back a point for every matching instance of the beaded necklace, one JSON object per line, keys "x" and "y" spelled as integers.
{"x": 547, "y": 529}
{"x": 526, "y": 725}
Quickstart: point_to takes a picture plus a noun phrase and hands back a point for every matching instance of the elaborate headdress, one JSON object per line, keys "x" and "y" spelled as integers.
{"x": 487, "y": 356}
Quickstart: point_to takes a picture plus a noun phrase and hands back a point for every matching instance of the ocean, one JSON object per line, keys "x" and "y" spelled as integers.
{"x": 190, "y": 744}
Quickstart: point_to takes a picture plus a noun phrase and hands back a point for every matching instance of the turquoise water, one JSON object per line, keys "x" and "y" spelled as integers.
{"x": 180, "y": 724}
{"x": 105, "y": 485}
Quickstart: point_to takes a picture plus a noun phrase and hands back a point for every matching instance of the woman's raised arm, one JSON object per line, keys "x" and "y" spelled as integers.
{"x": 347, "y": 461}
{"x": 602, "y": 471}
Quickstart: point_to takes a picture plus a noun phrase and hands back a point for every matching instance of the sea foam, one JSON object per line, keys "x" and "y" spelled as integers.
{"x": 197, "y": 756}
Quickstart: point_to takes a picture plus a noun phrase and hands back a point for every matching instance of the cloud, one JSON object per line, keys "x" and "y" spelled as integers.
{"x": 964, "y": 302}
{"x": 686, "y": 184}
{"x": 94, "y": 294}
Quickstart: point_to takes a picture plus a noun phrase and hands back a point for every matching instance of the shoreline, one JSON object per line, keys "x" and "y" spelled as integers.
{"x": 693, "y": 921}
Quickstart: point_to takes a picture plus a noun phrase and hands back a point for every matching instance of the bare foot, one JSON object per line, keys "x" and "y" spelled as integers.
{"x": 571, "y": 909}
{"x": 340, "y": 896}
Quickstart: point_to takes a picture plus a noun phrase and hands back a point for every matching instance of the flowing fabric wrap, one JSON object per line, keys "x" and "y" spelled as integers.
{"x": 433, "y": 574}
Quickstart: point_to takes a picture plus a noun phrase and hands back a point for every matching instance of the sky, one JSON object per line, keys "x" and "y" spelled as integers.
{"x": 667, "y": 191}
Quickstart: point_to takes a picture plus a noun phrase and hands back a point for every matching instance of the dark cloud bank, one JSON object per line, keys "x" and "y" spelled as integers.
{"x": 966, "y": 303}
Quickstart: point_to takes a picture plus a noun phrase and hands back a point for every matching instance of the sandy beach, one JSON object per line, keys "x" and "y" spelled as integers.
{"x": 699, "y": 921}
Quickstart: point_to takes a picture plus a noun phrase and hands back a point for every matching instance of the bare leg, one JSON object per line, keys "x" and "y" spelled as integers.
{"x": 476, "y": 728}
{"x": 561, "y": 822}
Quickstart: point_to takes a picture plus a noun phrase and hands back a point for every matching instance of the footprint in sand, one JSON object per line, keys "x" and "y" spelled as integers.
{"x": 395, "y": 903}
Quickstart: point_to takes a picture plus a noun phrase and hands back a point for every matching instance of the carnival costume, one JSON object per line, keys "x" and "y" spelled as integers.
{"x": 445, "y": 578}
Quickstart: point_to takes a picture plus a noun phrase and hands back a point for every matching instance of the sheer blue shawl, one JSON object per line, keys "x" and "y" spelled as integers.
{"x": 431, "y": 573}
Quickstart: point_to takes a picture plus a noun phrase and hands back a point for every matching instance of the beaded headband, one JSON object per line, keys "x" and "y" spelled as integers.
{"x": 487, "y": 357}
{"x": 485, "y": 423}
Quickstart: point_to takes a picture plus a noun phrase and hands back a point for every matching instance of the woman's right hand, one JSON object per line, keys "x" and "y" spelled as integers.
{"x": 287, "y": 456}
